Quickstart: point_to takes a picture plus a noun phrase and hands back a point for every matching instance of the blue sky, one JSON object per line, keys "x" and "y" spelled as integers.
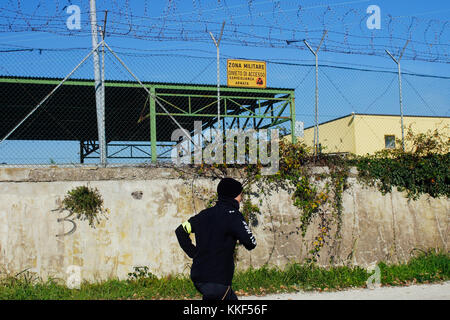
{"x": 253, "y": 30}
{"x": 236, "y": 13}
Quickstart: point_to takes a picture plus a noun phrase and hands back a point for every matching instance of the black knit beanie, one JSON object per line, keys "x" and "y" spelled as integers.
{"x": 229, "y": 187}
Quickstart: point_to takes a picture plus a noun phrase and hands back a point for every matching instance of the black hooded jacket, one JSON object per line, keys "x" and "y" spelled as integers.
{"x": 216, "y": 231}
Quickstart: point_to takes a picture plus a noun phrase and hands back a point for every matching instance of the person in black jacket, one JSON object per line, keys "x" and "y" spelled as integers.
{"x": 216, "y": 230}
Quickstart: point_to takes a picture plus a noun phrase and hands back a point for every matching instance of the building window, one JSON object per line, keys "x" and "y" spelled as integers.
{"x": 389, "y": 142}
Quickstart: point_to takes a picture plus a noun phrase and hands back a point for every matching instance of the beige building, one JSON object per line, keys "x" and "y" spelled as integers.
{"x": 367, "y": 133}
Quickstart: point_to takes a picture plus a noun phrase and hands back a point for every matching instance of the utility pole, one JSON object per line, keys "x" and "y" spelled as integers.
{"x": 217, "y": 43}
{"x": 316, "y": 126}
{"x": 99, "y": 93}
{"x": 397, "y": 61}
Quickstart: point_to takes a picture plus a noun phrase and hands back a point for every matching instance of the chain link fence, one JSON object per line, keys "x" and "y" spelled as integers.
{"x": 149, "y": 95}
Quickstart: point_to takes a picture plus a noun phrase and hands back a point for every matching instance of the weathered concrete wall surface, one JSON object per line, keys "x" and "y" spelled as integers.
{"x": 140, "y": 232}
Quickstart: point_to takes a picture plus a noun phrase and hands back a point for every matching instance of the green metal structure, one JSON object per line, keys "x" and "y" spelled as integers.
{"x": 134, "y": 116}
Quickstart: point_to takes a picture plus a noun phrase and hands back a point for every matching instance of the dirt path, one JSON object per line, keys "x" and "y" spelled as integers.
{"x": 439, "y": 291}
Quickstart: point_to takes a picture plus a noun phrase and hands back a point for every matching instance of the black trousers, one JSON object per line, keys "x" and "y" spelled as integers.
{"x": 215, "y": 291}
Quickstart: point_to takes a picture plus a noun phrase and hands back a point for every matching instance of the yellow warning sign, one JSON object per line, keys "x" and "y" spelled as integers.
{"x": 246, "y": 73}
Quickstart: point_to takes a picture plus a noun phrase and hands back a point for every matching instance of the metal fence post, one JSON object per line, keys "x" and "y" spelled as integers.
{"x": 99, "y": 94}
{"x": 153, "y": 124}
{"x": 316, "y": 125}
{"x": 217, "y": 43}
{"x": 397, "y": 61}
{"x": 292, "y": 105}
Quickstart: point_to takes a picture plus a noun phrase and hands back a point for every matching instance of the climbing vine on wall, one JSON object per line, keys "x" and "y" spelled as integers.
{"x": 296, "y": 176}
{"x": 423, "y": 168}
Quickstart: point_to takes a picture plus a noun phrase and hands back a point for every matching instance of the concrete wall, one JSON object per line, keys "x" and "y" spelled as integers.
{"x": 140, "y": 232}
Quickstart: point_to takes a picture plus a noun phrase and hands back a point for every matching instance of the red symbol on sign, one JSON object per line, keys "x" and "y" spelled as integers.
{"x": 259, "y": 81}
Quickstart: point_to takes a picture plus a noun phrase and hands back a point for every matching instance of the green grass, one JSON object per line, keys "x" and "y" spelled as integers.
{"x": 424, "y": 268}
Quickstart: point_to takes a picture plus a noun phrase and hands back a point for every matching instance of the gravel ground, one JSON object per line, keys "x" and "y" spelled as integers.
{"x": 439, "y": 291}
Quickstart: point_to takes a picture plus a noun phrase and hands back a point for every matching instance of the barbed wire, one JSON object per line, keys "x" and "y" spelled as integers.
{"x": 267, "y": 23}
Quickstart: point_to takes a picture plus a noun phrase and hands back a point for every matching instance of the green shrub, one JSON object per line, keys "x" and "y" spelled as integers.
{"x": 86, "y": 203}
